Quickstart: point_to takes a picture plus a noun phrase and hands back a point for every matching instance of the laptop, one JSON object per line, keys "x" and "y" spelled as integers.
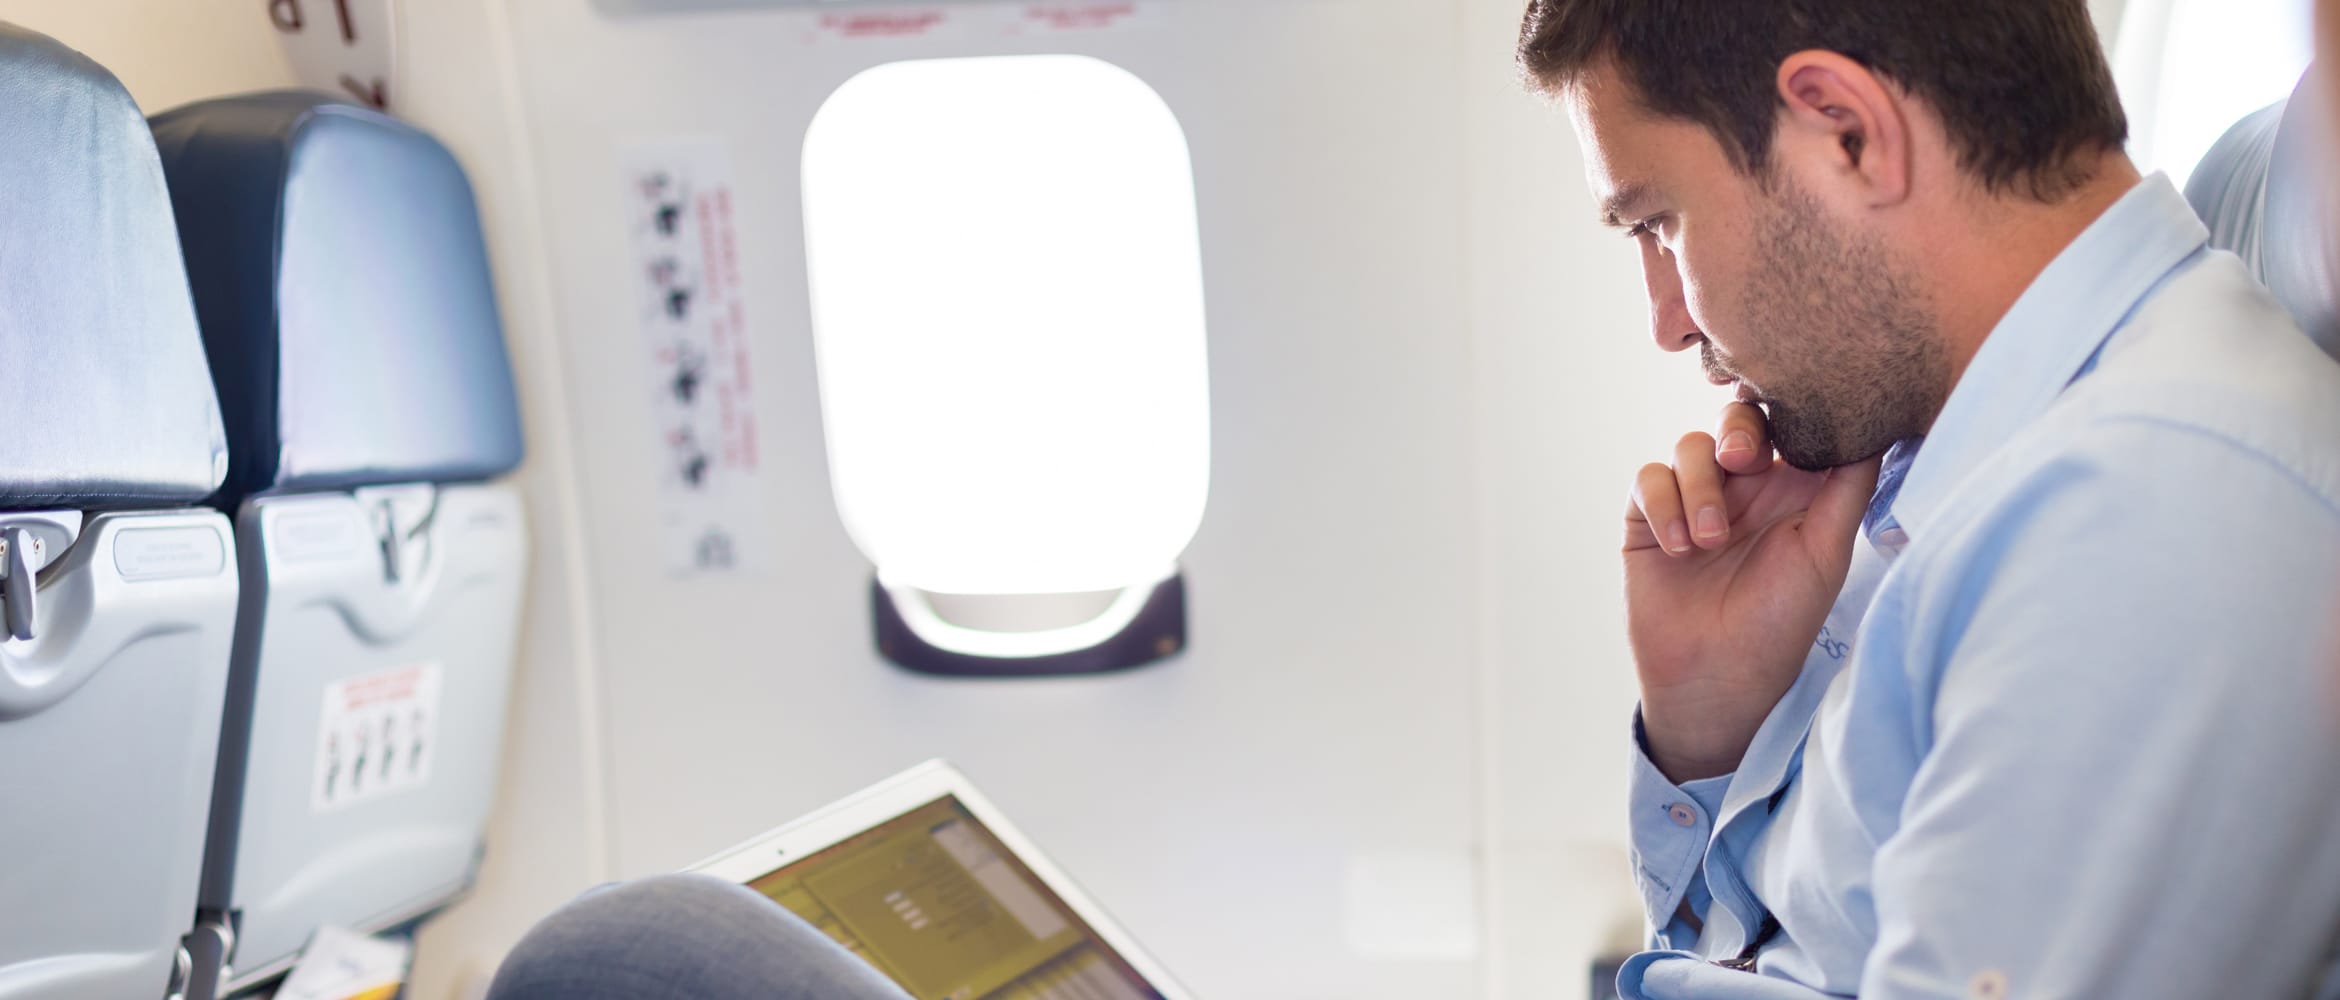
{"x": 921, "y": 877}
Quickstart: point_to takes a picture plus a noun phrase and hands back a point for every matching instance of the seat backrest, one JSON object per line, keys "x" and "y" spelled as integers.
{"x": 2266, "y": 189}
{"x": 345, "y": 295}
{"x": 342, "y": 280}
{"x": 119, "y": 594}
{"x": 91, "y": 279}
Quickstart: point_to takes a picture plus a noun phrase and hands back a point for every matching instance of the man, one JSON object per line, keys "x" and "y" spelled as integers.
{"x": 2328, "y": 49}
{"x": 2004, "y": 679}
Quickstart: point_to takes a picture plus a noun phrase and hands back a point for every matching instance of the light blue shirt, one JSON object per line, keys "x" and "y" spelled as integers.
{"x": 2073, "y": 728}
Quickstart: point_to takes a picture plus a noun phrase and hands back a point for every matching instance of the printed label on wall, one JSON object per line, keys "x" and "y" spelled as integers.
{"x": 1094, "y": 15}
{"x": 877, "y": 24}
{"x": 376, "y": 736}
{"x": 976, "y": 21}
{"x": 347, "y": 47}
{"x": 697, "y": 361}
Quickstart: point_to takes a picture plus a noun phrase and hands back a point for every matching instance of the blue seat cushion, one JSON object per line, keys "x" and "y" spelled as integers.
{"x": 108, "y": 404}
{"x": 2266, "y": 191}
{"x": 345, "y": 296}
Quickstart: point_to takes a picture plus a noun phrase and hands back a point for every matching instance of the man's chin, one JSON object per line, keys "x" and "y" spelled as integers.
{"x": 1812, "y": 459}
{"x": 1815, "y": 449}
{"x": 1809, "y": 462}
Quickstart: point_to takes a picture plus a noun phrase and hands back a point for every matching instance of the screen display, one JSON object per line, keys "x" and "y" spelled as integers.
{"x": 938, "y": 904}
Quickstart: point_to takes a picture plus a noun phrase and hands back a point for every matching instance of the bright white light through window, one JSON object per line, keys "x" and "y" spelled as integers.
{"x": 2190, "y": 69}
{"x": 1008, "y": 308}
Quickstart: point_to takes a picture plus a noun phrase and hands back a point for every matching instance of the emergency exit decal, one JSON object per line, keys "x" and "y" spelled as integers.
{"x": 700, "y": 372}
{"x": 376, "y": 735}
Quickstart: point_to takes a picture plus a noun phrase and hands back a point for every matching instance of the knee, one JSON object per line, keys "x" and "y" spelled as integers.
{"x": 682, "y": 936}
{"x": 667, "y": 906}
{"x": 668, "y": 936}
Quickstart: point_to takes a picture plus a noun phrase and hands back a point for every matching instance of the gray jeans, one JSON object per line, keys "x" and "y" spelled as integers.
{"x": 682, "y": 936}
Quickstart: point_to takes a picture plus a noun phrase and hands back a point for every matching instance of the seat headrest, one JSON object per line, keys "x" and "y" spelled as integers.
{"x": 2267, "y": 192}
{"x": 108, "y": 403}
{"x": 343, "y": 285}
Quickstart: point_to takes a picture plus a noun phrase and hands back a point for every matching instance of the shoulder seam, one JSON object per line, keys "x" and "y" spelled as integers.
{"x": 2322, "y": 482}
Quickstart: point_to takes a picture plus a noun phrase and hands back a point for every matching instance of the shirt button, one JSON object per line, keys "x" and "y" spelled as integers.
{"x": 1683, "y": 815}
{"x": 1989, "y": 984}
{"x": 1892, "y": 540}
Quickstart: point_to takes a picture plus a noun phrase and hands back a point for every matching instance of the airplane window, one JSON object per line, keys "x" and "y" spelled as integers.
{"x": 2189, "y": 69}
{"x": 1007, "y": 308}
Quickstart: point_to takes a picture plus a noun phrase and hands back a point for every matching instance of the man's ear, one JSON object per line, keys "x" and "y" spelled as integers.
{"x": 1842, "y": 115}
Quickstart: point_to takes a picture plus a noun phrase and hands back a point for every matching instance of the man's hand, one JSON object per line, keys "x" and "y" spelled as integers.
{"x": 1732, "y": 560}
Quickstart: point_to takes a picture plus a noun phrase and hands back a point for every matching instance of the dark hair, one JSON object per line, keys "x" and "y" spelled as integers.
{"x": 2021, "y": 86}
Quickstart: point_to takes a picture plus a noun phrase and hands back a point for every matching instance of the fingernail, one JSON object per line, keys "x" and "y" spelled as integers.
{"x": 1736, "y": 443}
{"x": 1677, "y": 538}
{"x": 1710, "y": 523}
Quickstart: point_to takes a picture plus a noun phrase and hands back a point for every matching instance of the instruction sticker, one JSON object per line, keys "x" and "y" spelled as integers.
{"x": 1097, "y": 15}
{"x": 376, "y": 736}
{"x": 973, "y": 21}
{"x": 697, "y": 362}
{"x": 878, "y": 24}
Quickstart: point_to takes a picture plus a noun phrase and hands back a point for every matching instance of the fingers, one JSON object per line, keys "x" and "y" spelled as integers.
{"x": 1658, "y": 503}
{"x": 1680, "y": 507}
{"x": 1699, "y": 481}
{"x": 1834, "y": 519}
{"x": 1743, "y": 440}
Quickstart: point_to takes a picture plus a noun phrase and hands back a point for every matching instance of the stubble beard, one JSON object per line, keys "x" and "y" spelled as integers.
{"x": 1855, "y": 361}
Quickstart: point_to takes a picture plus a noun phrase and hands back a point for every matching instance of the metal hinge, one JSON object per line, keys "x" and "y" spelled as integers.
{"x": 386, "y": 538}
{"x": 395, "y": 539}
{"x": 209, "y": 949}
{"x": 182, "y": 969}
{"x": 21, "y": 553}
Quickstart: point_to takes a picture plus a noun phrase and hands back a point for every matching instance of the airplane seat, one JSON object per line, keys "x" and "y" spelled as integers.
{"x": 343, "y": 286}
{"x": 117, "y": 589}
{"x": 2266, "y": 189}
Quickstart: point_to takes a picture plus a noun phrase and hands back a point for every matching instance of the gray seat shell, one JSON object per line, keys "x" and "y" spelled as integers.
{"x": 120, "y": 593}
{"x": 346, "y": 302}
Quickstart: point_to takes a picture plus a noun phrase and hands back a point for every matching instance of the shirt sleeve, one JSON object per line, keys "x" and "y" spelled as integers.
{"x": 2126, "y": 768}
{"x": 1675, "y": 975}
{"x": 1671, "y": 826}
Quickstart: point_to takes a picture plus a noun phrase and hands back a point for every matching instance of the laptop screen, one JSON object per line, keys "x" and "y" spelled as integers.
{"x": 936, "y": 902}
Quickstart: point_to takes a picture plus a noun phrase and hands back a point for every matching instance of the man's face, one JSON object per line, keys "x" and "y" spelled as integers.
{"x": 2328, "y": 50}
{"x": 1813, "y": 318}
{"x": 2328, "y": 61}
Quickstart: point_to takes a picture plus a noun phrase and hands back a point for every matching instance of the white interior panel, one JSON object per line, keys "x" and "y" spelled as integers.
{"x": 1572, "y": 397}
{"x": 2189, "y": 69}
{"x": 1326, "y": 706}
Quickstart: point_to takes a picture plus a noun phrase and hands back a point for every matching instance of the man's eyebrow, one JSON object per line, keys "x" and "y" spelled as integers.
{"x": 1617, "y": 209}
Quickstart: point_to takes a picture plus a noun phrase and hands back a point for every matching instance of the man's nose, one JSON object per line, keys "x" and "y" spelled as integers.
{"x": 1669, "y": 310}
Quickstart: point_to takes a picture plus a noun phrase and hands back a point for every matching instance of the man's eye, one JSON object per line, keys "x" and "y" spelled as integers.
{"x": 1639, "y": 230}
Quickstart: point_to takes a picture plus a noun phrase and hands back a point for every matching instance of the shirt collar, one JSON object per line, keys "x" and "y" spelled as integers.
{"x": 2050, "y": 337}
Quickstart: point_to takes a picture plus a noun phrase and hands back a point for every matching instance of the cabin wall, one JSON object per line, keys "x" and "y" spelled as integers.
{"x": 166, "y": 54}
{"x": 2108, "y": 17}
{"x": 1320, "y": 737}
{"x": 458, "y": 76}
{"x": 1572, "y": 396}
